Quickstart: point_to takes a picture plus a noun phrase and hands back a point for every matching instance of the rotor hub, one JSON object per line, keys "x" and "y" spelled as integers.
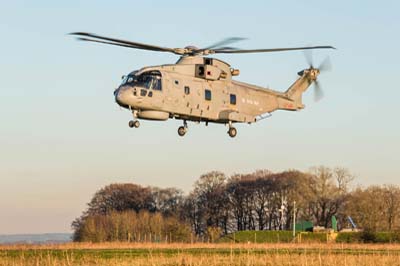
{"x": 192, "y": 47}
{"x": 313, "y": 73}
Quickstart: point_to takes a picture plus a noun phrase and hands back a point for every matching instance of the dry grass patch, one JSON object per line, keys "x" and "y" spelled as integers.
{"x": 199, "y": 254}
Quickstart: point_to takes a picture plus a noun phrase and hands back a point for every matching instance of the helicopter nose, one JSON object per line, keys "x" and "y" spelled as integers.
{"x": 116, "y": 93}
{"x": 119, "y": 95}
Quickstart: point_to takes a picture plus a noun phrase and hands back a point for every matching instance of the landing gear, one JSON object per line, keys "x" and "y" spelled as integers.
{"x": 232, "y": 131}
{"x": 134, "y": 123}
{"x": 183, "y": 129}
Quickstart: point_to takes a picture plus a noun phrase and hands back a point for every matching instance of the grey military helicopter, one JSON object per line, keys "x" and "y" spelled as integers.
{"x": 201, "y": 89}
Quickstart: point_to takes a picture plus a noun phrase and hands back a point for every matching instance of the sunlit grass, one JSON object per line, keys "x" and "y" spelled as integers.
{"x": 200, "y": 254}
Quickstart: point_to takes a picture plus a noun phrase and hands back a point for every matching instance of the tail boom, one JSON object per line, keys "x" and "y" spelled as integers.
{"x": 292, "y": 97}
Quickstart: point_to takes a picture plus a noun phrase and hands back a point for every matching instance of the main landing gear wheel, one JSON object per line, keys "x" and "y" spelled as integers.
{"x": 183, "y": 129}
{"x": 232, "y": 132}
{"x": 135, "y": 124}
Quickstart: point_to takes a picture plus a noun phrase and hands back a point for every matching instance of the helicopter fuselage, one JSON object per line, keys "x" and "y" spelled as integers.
{"x": 201, "y": 89}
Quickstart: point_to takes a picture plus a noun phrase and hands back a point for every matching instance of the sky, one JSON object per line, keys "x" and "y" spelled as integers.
{"x": 62, "y": 136}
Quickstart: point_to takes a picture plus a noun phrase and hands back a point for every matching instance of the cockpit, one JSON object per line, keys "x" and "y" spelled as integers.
{"x": 147, "y": 80}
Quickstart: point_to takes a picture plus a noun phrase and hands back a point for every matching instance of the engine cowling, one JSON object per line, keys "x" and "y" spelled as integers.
{"x": 153, "y": 115}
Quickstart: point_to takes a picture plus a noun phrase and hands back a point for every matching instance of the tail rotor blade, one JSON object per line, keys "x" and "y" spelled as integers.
{"x": 326, "y": 65}
{"x": 318, "y": 93}
{"x": 309, "y": 57}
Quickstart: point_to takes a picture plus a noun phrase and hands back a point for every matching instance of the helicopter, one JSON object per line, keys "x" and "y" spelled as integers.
{"x": 199, "y": 88}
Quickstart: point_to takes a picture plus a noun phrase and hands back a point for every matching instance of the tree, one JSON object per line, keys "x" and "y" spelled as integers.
{"x": 391, "y": 201}
{"x": 192, "y": 214}
{"x": 212, "y": 200}
{"x": 375, "y": 208}
{"x": 121, "y": 197}
{"x": 237, "y": 198}
{"x": 168, "y": 201}
{"x": 327, "y": 193}
{"x": 261, "y": 200}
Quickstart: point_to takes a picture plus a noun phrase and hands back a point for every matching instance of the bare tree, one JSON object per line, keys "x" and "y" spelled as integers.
{"x": 326, "y": 197}
{"x": 343, "y": 178}
{"x": 237, "y": 197}
{"x": 121, "y": 197}
{"x": 193, "y": 214}
{"x": 391, "y": 200}
{"x": 210, "y": 192}
{"x": 168, "y": 201}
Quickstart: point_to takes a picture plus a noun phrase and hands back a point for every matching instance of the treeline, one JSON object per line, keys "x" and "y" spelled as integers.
{"x": 219, "y": 205}
{"x": 129, "y": 226}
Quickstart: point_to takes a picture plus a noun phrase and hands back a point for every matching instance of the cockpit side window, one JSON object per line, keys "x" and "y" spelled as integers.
{"x": 147, "y": 80}
{"x": 157, "y": 84}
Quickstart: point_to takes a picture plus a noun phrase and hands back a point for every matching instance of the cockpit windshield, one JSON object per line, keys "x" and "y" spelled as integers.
{"x": 147, "y": 80}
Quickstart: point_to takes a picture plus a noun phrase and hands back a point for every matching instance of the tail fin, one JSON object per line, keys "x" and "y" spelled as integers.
{"x": 297, "y": 89}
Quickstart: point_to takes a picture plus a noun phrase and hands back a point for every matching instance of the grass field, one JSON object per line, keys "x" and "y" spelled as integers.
{"x": 200, "y": 254}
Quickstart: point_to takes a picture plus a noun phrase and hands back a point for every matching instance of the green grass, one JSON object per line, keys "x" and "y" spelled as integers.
{"x": 287, "y": 237}
{"x": 132, "y": 253}
{"x": 258, "y": 237}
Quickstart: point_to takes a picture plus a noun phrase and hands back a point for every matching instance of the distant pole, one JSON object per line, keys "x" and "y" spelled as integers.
{"x": 294, "y": 219}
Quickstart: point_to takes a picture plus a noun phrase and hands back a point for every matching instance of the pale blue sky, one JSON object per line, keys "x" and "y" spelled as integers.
{"x": 63, "y": 137}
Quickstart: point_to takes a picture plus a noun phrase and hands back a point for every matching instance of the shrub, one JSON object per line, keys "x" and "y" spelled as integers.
{"x": 313, "y": 237}
{"x": 368, "y": 237}
{"x": 349, "y": 237}
{"x": 259, "y": 237}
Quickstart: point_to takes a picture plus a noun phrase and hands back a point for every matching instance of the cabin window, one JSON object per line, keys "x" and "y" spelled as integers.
{"x": 201, "y": 70}
{"x": 207, "y": 95}
{"x": 150, "y": 94}
{"x": 208, "y": 61}
{"x": 143, "y": 92}
{"x": 232, "y": 99}
{"x": 176, "y": 82}
{"x": 187, "y": 90}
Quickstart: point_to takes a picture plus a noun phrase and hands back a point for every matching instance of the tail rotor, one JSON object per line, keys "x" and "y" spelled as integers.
{"x": 325, "y": 65}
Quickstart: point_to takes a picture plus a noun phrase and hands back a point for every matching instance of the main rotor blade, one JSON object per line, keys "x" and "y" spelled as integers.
{"x": 114, "y": 43}
{"x": 218, "y": 51}
{"x": 225, "y": 41}
{"x": 136, "y": 45}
